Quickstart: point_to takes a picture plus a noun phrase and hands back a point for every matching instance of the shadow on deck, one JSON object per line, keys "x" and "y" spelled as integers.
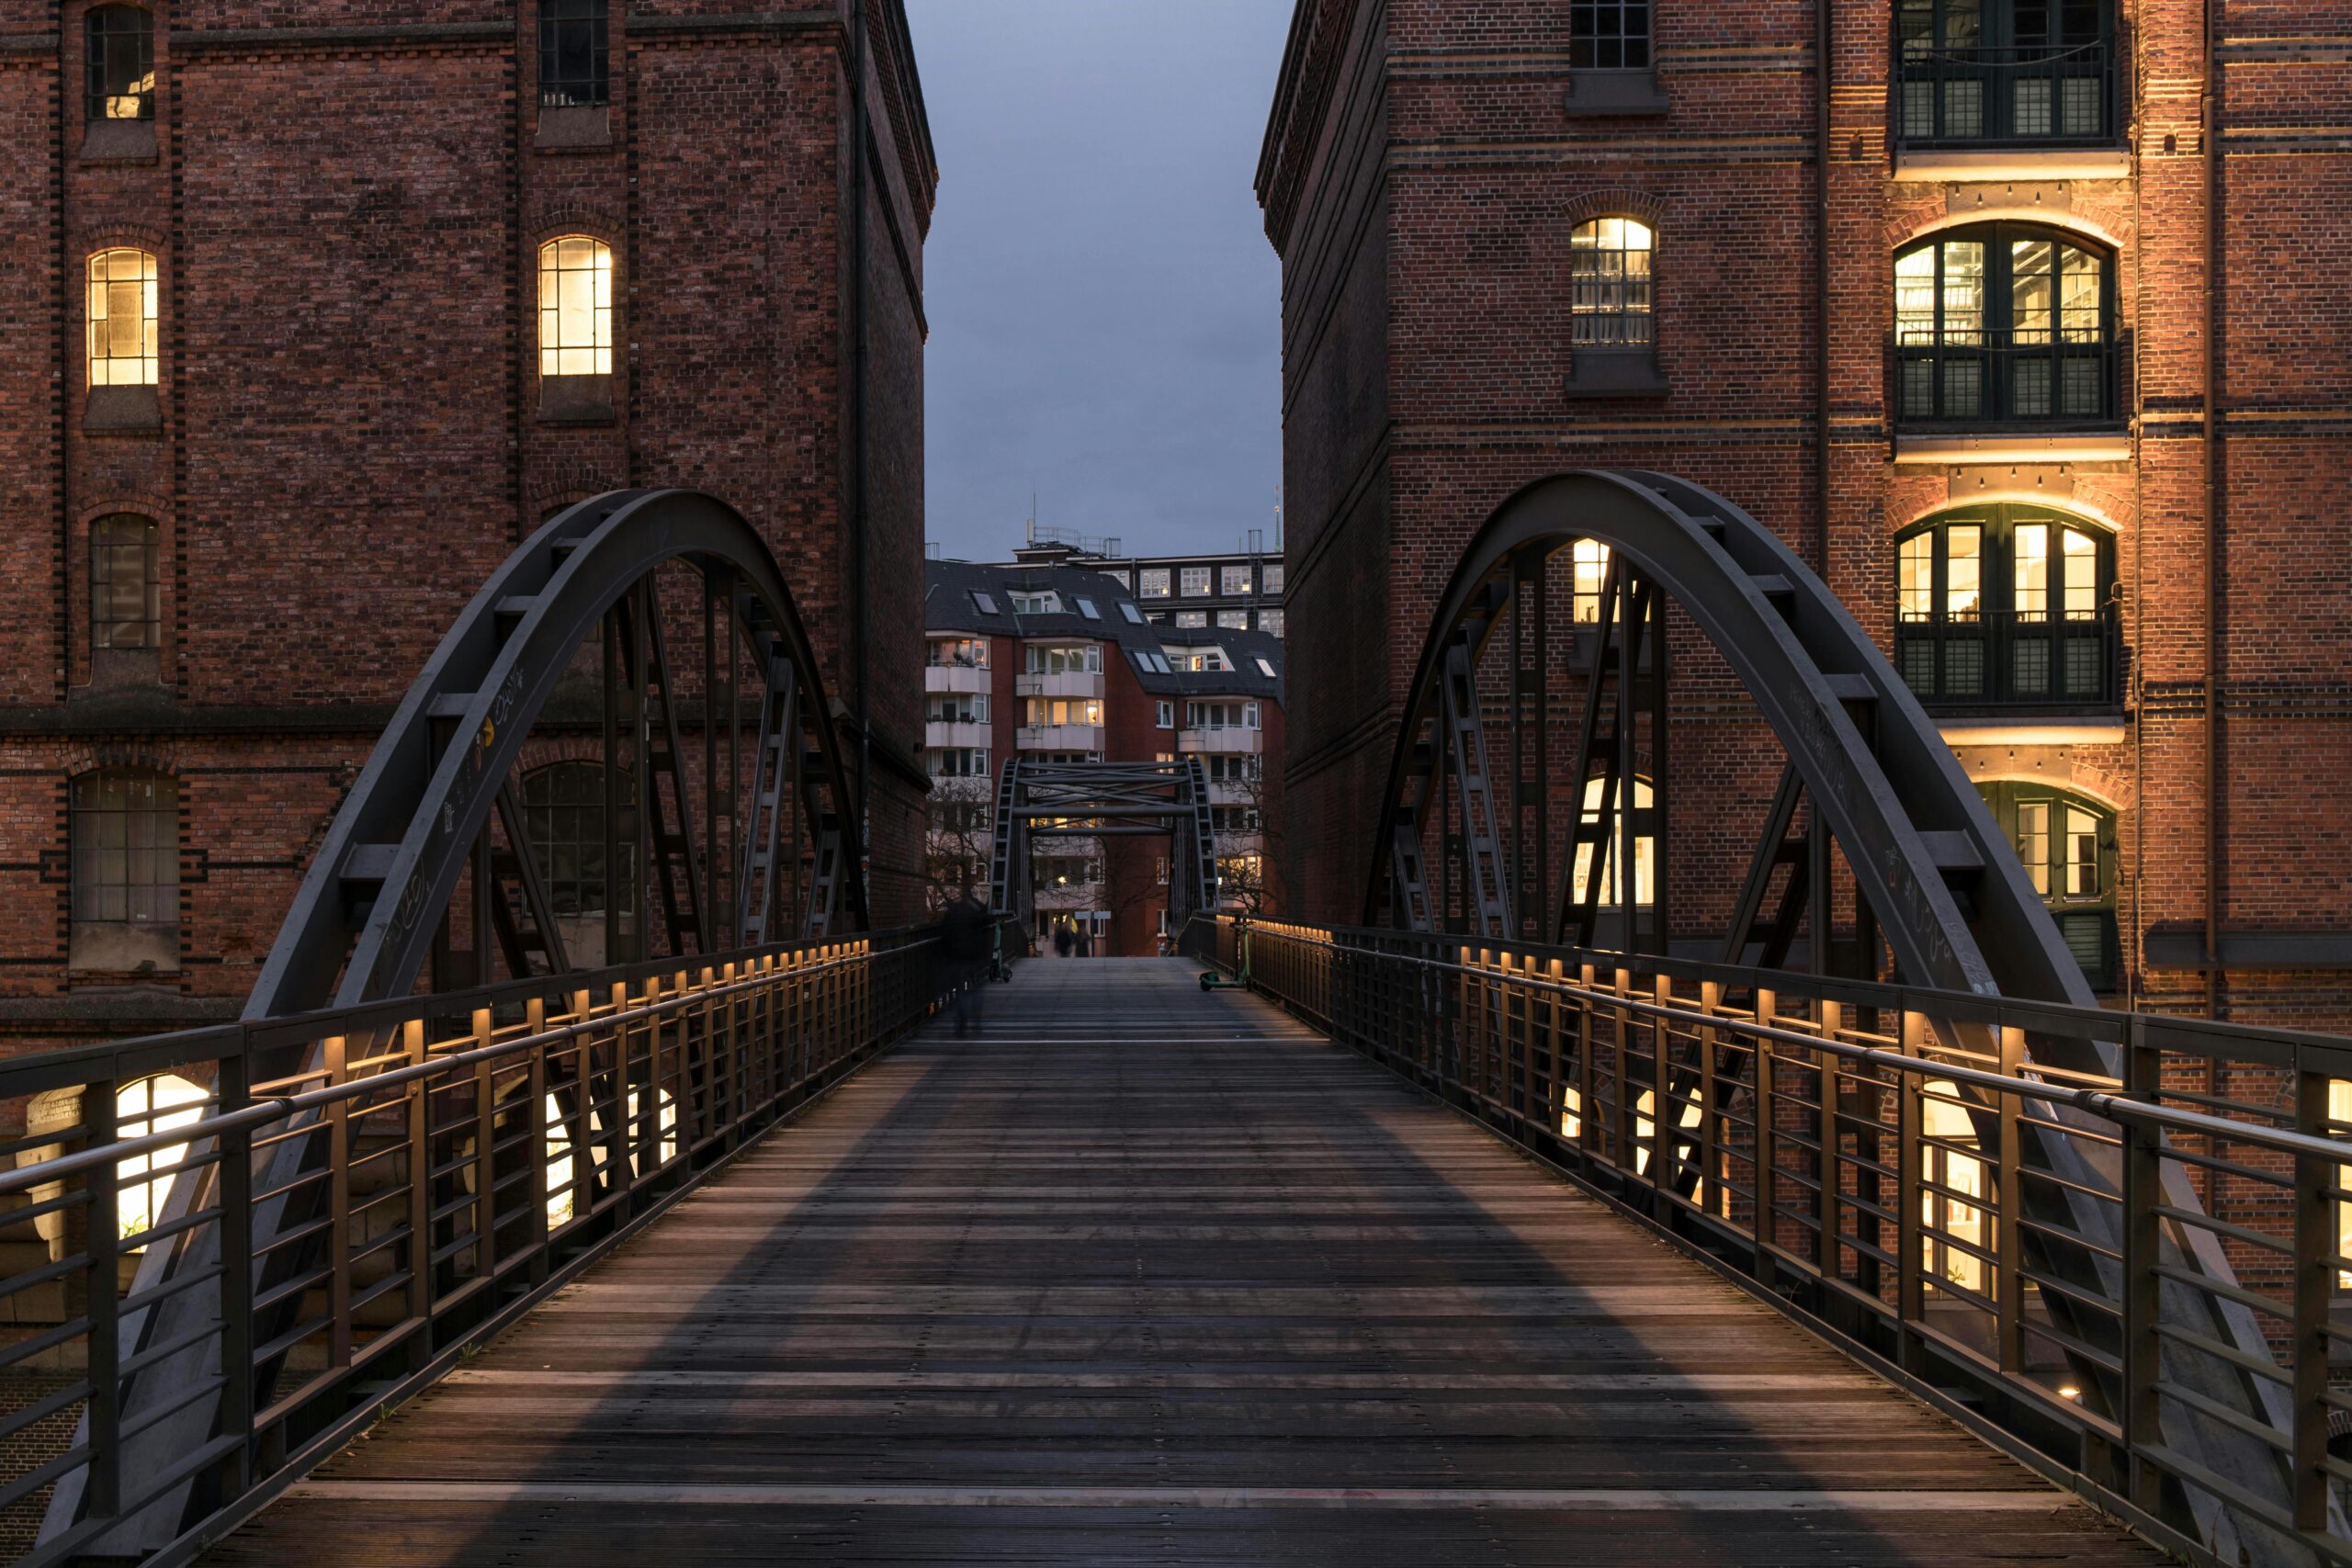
{"x": 1143, "y": 1272}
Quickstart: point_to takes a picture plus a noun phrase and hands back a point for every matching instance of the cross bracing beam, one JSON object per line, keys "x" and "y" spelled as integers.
{"x": 1933, "y": 879}
{"x": 1038, "y": 799}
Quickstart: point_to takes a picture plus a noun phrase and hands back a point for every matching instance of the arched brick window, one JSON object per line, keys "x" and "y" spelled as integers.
{"x": 575, "y": 307}
{"x": 2008, "y": 606}
{"x": 2067, "y": 842}
{"x": 2004, "y": 325}
{"x": 125, "y": 316}
{"x": 1609, "y": 282}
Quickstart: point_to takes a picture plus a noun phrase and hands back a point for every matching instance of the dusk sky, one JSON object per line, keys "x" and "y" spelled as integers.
{"x": 1105, "y": 308}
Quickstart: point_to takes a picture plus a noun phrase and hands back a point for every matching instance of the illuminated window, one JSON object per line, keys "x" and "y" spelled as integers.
{"x": 121, "y": 56}
{"x": 2339, "y": 1109}
{"x": 125, "y": 605}
{"x": 1237, "y": 620}
{"x": 957, "y": 652}
{"x": 1609, "y": 35}
{"x": 2003, "y": 324}
{"x": 124, "y": 321}
{"x": 1271, "y": 622}
{"x": 1192, "y": 618}
{"x": 1152, "y": 582}
{"x": 1613, "y": 894}
{"x": 1164, "y": 715}
{"x": 575, "y": 307}
{"x": 1064, "y": 659}
{"x": 1269, "y": 576}
{"x": 574, "y": 71}
{"x": 125, "y": 870}
{"x": 1195, "y": 581}
{"x": 2067, "y": 844}
{"x": 1955, "y": 1228}
{"x": 1590, "y": 560}
{"x": 655, "y": 1136}
{"x": 2006, "y": 604}
{"x": 1608, "y": 282}
{"x": 163, "y": 1104}
{"x": 1233, "y": 580}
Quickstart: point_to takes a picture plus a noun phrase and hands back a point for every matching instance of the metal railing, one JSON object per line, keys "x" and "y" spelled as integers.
{"x": 1988, "y": 378}
{"x": 340, "y": 1202}
{"x": 2014, "y": 661}
{"x": 2046, "y": 1254}
{"x": 2006, "y": 97}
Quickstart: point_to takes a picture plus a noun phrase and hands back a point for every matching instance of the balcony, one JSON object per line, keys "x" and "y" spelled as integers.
{"x": 1059, "y": 738}
{"x": 2054, "y": 397}
{"x": 1073, "y": 684}
{"x": 956, "y": 678}
{"x": 2030, "y": 101}
{"x": 2025, "y": 667}
{"x": 1228, "y": 739}
{"x": 955, "y": 733}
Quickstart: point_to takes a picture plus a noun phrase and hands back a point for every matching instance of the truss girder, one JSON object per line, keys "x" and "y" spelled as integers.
{"x": 1932, "y": 871}
{"x": 1038, "y": 799}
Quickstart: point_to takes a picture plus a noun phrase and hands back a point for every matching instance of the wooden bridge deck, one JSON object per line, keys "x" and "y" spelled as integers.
{"x": 1145, "y": 1274}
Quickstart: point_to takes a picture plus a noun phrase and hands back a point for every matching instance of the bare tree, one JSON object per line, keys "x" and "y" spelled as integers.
{"x": 960, "y": 841}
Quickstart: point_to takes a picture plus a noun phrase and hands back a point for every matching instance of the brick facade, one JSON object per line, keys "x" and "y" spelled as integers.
{"x": 1425, "y": 163}
{"x": 346, "y": 208}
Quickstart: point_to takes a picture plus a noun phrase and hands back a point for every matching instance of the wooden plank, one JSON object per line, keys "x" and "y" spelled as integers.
{"x": 1141, "y": 1271}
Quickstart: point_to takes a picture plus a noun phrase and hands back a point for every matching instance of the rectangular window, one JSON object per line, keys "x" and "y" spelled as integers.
{"x": 121, "y": 81}
{"x": 1609, "y": 35}
{"x": 1134, "y": 616}
{"x": 1271, "y": 622}
{"x": 124, "y": 311}
{"x": 575, "y": 307}
{"x": 958, "y": 652}
{"x": 1197, "y": 581}
{"x": 1269, "y": 576}
{"x": 1191, "y": 617}
{"x": 1964, "y": 571}
{"x": 1233, "y": 580}
{"x": 1086, "y": 608}
{"x": 959, "y": 762}
{"x": 957, "y": 708}
{"x": 125, "y": 604}
{"x": 1154, "y": 582}
{"x": 573, "y": 72}
{"x": 2082, "y": 854}
{"x": 1249, "y": 715}
{"x": 1072, "y": 659}
{"x": 986, "y": 605}
{"x": 1165, "y": 716}
{"x": 1915, "y": 578}
{"x": 1238, "y": 620}
{"x": 1059, "y": 710}
{"x": 1037, "y": 604}
{"x": 1266, "y": 668}
{"x": 1590, "y": 574}
{"x": 2033, "y": 843}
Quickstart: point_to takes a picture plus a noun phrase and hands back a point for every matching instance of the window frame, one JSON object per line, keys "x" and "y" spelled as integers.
{"x": 1976, "y": 91}
{"x": 125, "y": 894}
{"x": 2080, "y": 656}
{"x": 101, "y": 38}
{"x": 602, "y": 310}
{"x": 2085, "y": 920}
{"x": 1186, "y": 576}
{"x": 1621, "y": 299}
{"x": 1955, "y": 377}
{"x": 593, "y": 90}
{"x": 103, "y": 557}
{"x": 98, "y": 308}
{"x": 1611, "y": 35}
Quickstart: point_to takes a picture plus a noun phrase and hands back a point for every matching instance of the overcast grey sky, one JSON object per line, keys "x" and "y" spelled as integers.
{"x": 1105, "y": 308}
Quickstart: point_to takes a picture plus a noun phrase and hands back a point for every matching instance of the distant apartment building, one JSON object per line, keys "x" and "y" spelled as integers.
{"x": 1064, "y": 663}
{"x": 1241, "y": 590}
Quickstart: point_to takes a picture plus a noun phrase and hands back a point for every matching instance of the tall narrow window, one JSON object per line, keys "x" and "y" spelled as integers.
{"x": 122, "y": 54}
{"x": 573, "y": 74}
{"x": 1609, "y": 35}
{"x": 1591, "y": 571}
{"x": 1612, "y": 890}
{"x": 1608, "y": 282}
{"x": 125, "y": 854}
{"x": 563, "y": 811}
{"x": 125, "y": 605}
{"x": 575, "y": 307}
{"x": 2067, "y": 844}
{"x": 125, "y": 319}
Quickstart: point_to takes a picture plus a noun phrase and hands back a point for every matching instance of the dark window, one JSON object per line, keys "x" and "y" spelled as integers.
{"x": 2067, "y": 844}
{"x": 124, "y": 604}
{"x": 563, "y": 809}
{"x": 122, "y": 63}
{"x": 1608, "y": 282}
{"x": 126, "y": 849}
{"x": 2013, "y": 73}
{"x": 1609, "y": 35}
{"x": 573, "y": 70}
{"x": 2004, "y": 325}
{"x": 2007, "y": 605}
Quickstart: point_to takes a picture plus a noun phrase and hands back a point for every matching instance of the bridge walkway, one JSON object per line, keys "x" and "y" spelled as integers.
{"x": 1147, "y": 1274}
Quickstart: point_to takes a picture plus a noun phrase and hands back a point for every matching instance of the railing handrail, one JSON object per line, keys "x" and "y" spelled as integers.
{"x": 258, "y": 1112}
{"x": 1992, "y": 53}
{"x": 2117, "y": 1104}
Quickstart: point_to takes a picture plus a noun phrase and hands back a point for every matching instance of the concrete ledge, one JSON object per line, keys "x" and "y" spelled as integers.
{"x": 1613, "y": 93}
{"x": 2015, "y": 164}
{"x": 2080, "y": 447}
{"x": 2183, "y": 947}
{"x": 2028, "y": 731}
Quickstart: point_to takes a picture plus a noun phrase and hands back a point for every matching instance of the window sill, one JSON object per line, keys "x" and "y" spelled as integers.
{"x": 120, "y": 142}
{"x": 2016, "y": 446}
{"x": 575, "y": 129}
{"x": 2029, "y": 729}
{"x": 576, "y": 399}
{"x": 1613, "y": 93}
{"x": 123, "y": 410}
{"x": 1614, "y": 373}
{"x": 1953, "y": 165}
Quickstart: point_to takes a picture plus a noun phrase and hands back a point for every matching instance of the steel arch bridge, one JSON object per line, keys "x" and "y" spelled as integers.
{"x": 1038, "y": 799}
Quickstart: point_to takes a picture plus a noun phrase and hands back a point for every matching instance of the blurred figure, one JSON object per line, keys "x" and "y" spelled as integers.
{"x": 1063, "y": 941}
{"x": 966, "y": 953}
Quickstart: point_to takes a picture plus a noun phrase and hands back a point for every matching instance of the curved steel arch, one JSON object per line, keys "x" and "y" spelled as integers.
{"x": 1099, "y": 800}
{"x": 402, "y": 840}
{"x": 1949, "y": 894}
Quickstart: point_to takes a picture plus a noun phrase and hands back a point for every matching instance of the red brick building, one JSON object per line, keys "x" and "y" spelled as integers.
{"x": 2030, "y": 329}
{"x": 308, "y": 314}
{"x": 1063, "y": 663}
